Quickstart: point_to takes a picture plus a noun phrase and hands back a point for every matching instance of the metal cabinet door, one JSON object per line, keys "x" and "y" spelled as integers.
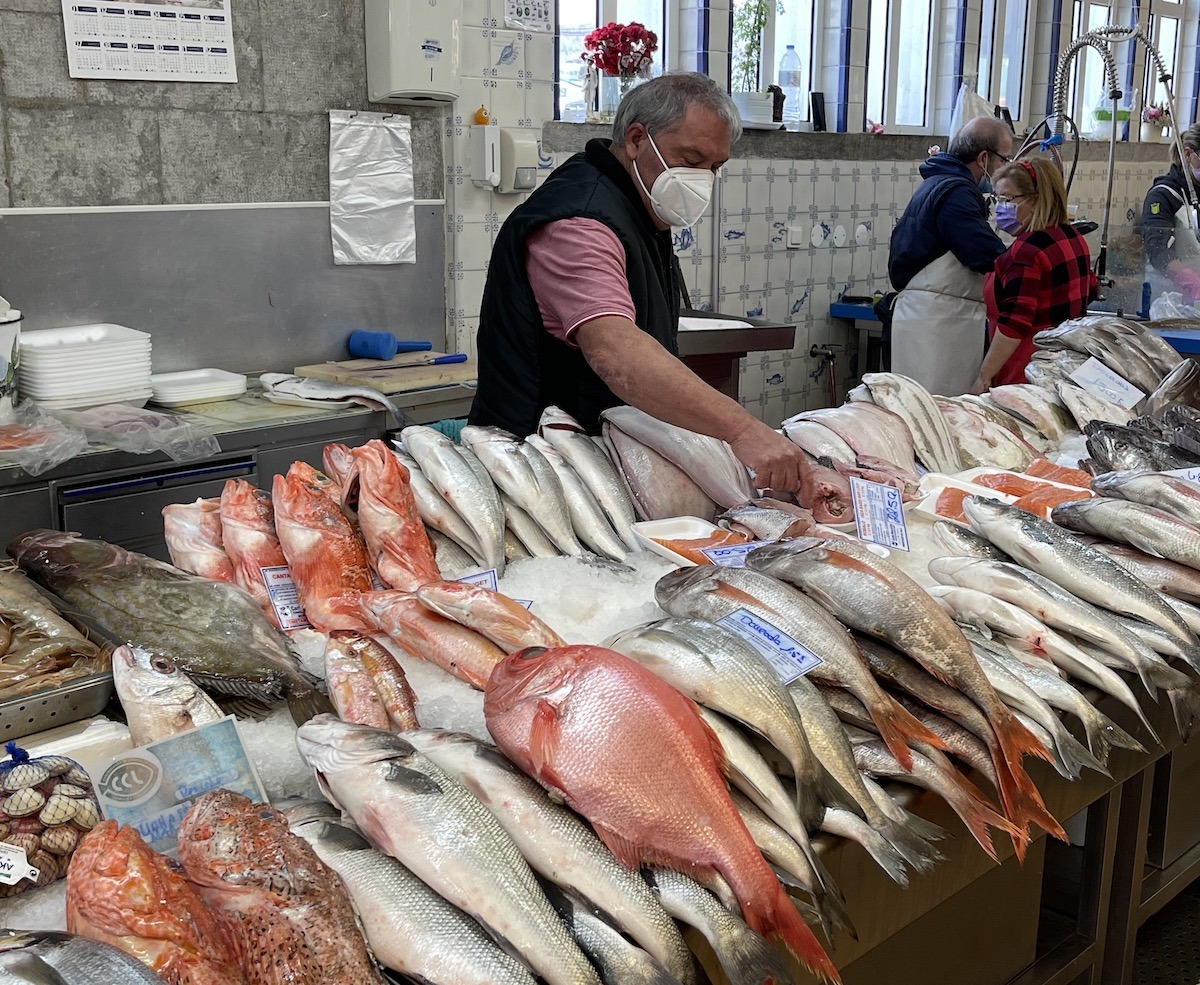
{"x": 24, "y": 510}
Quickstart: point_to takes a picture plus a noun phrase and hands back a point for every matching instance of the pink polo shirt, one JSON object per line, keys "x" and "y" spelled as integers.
{"x": 576, "y": 268}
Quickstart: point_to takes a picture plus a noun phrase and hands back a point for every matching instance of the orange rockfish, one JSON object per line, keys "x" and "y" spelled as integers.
{"x": 327, "y": 558}
{"x": 397, "y": 545}
{"x": 632, "y": 755}
{"x": 338, "y": 461}
{"x": 506, "y": 623}
{"x": 248, "y": 532}
{"x": 122, "y": 892}
{"x": 289, "y": 914}
{"x": 193, "y": 535}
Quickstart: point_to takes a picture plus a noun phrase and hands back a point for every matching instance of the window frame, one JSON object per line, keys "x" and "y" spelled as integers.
{"x": 938, "y": 10}
{"x": 770, "y": 65}
{"x": 1024, "y": 114}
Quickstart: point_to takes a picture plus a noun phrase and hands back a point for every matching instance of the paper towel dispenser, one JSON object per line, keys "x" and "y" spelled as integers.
{"x": 413, "y": 51}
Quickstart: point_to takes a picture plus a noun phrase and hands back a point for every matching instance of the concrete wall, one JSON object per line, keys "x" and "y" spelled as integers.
{"x": 76, "y": 142}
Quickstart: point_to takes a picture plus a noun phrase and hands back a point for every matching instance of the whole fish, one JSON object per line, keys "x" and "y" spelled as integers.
{"x": 658, "y": 487}
{"x": 1038, "y": 408}
{"x": 1170, "y": 493}
{"x": 425, "y": 635}
{"x": 712, "y": 593}
{"x": 377, "y": 488}
{"x": 418, "y": 814}
{"x": 476, "y": 500}
{"x": 709, "y": 461}
{"x": 1126, "y": 448}
{"x": 44, "y": 956}
{"x": 506, "y": 623}
{"x": 1179, "y": 581}
{"x": 438, "y": 514}
{"x": 193, "y": 535}
{"x": 1060, "y": 556}
{"x": 760, "y": 521}
{"x": 958, "y": 541}
{"x": 120, "y": 892}
{"x": 557, "y": 844}
{"x": 875, "y": 597}
{"x": 1144, "y": 527}
{"x": 310, "y": 389}
{"x": 288, "y": 913}
{"x": 931, "y": 434}
{"x": 1120, "y": 350}
{"x": 593, "y": 467}
{"x": 745, "y": 956}
{"x": 452, "y": 559}
{"x": 409, "y": 927}
{"x": 869, "y": 430}
{"x": 514, "y": 550}
{"x": 1180, "y": 386}
{"x": 248, "y": 535}
{"x": 526, "y": 530}
{"x": 337, "y": 461}
{"x": 325, "y": 554}
{"x": 618, "y": 961}
{"x": 589, "y": 521}
{"x": 1086, "y": 407}
{"x": 212, "y": 631}
{"x": 819, "y": 440}
{"x": 624, "y": 748}
{"x": 980, "y": 441}
{"x": 540, "y": 494}
{"x": 385, "y": 676}
{"x": 157, "y": 697}
{"x": 351, "y": 688}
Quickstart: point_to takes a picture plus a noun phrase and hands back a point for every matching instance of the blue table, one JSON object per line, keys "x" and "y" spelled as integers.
{"x": 1185, "y": 341}
{"x": 864, "y": 314}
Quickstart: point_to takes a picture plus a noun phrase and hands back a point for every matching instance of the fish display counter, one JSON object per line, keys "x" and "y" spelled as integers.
{"x": 581, "y": 709}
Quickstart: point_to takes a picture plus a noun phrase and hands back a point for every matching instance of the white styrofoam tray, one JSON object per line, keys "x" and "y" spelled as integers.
{"x": 84, "y": 367}
{"x": 199, "y": 391}
{"x": 672, "y": 528}
{"x": 189, "y": 379}
{"x": 209, "y": 398}
{"x": 136, "y": 398}
{"x": 687, "y": 324}
{"x": 81, "y": 335}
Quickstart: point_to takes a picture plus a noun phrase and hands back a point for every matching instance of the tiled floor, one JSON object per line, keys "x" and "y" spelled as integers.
{"x": 1168, "y": 949}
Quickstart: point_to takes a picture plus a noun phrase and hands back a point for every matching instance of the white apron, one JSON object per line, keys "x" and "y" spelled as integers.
{"x": 939, "y": 326}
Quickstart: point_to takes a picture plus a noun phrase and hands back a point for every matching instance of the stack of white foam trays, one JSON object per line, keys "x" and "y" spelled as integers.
{"x": 85, "y": 366}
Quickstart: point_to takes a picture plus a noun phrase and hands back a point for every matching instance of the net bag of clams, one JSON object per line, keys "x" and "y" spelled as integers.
{"x": 48, "y": 805}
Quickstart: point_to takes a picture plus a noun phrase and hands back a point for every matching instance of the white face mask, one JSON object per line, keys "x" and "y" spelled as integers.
{"x": 680, "y": 196}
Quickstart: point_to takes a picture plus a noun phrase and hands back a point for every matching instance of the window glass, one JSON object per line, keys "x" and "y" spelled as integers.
{"x": 576, "y": 19}
{"x": 912, "y": 62}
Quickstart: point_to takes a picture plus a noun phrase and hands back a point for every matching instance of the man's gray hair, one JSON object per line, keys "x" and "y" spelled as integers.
{"x": 976, "y": 136}
{"x": 662, "y": 102}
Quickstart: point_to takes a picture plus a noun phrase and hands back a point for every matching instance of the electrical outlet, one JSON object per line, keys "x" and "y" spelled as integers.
{"x": 796, "y": 238}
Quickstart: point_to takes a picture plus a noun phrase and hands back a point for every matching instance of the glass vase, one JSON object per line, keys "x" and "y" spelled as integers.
{"x": 612, "y": 90}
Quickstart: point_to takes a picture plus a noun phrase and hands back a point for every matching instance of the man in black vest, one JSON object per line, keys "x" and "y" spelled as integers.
{"x": 581, "y": 305}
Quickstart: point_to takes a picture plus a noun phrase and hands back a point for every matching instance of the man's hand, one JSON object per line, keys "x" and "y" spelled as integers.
{"x": 777, "y": 463}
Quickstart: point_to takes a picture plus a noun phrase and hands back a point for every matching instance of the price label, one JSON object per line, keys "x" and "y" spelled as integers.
{"x": 487, "y": 579}
{"x": 285, "y": 600}
{"x": 879, "y": 514}
{"x": 732, "y": 555}
{"x": 528, "y": 603}
{"x": 14, "y": 866}
{"x": 789, "y": 659}
{"x": 1101, "y": 381}
{"x": 1191, "y": 474}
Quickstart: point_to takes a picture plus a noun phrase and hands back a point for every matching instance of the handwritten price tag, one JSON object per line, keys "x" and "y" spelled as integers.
{"x": 789, "y": 658}
{"x": 732, "y": 555}
{"x": 879, "y": 514}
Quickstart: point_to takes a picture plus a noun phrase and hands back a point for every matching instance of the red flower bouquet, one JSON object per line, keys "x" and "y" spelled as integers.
{"x": 622, "y": 50}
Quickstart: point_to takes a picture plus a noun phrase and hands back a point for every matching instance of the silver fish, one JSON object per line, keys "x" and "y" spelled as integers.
{"x": 310, "y": 389}
{"x": 818, "y": 440}
{"x": 1086, "y": 407}
{"x": 556, "y": 843}
{"x": 1180, "y": 386}
{"x": 451, "y": 557}
{"x": 957, "y": 541}
{"x": 1122, "y": 448}
{"x": 1038, "y": 408}
{"x": 768, "y": 523}
{"x": 436, "y": 513}
{"x": 709, "y": 461}
{"x": 1144, "y": 527}
{"x": 1058, "y": 555}
{"x": 980, "y": 441}
{"x": 931, "y": 435}
{"x": 869, "y": 430}
{"x": 1170, "y": 493}
{"x": 44, "y": 957}
{"x": 527, "y": 530}
{"x": 411, "y": 929}
{"x": 514, "y": 550}
{"x": 593, "y": 467}
{"x": 419, "y": 815}
{"x": 657, "y": 486}
{"x": 539, "y": 494}
{"x": 157, "y": 697}
{"x": 588, "y": 519}
{"x": 476, "y": 501}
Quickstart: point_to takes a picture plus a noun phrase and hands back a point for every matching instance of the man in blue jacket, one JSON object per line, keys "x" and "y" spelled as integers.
{"x": 941, "y": 249}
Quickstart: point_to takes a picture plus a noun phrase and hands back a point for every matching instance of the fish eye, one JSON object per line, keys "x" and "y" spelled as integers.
{"x": 163, "y": 665}
{"x": 531, "y": 652}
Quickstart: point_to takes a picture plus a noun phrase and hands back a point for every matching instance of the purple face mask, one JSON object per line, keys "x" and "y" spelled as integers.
{"x": 1196, "y": 173}
{"x": 1006, "y": 217}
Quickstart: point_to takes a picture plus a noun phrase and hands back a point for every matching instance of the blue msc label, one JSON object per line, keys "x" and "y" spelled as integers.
{"x": 879, "y": 514}
{"x": 732, "y": 555}
{"x": 152, "y": 786}
{"x": 787, "y": 657}
{"x": 487, "y": 579}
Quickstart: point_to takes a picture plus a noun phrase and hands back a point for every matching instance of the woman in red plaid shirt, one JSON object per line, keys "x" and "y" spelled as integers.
{"x": 1042, "y": 280}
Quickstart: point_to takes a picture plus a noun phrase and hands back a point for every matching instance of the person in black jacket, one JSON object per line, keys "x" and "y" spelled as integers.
{"x": 941, "y": 249}
{"x": 581, "y": 303}
{"x": 1172, "y": 252}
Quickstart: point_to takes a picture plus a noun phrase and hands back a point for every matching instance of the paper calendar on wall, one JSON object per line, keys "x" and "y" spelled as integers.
{"x": 168, "y": 40}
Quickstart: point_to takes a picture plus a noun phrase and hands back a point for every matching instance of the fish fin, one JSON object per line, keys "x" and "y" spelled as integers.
{"x": 1185, "y": 703}
{"x": 978, "y": 813}
{"x": 714, "y": 743}
{"x": 627, "y": 853}
{"x": 1074, "y": 754}
{"x": 543, "y": 739}
{"x": 777, "y": 918}
{"x": 1023, "y": 804}
{"x": 411, "y": 780}
{"x": 305, "y": 702}
{"x": 896, "y": 726}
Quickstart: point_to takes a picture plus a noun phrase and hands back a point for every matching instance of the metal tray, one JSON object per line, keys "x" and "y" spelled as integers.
{"x": 38, "y": 711}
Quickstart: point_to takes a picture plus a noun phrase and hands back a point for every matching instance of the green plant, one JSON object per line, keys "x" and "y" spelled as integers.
{"x": 749, "y": 23}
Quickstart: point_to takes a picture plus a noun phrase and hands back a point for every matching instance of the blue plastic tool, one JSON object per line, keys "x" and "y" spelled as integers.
{"x": 381, "y": 345}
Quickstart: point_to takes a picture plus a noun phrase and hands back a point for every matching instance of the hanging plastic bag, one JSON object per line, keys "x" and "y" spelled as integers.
{"x": 37, "y": 442}
{"x": 1170, "y": 304}
{"x": 968, "y": 105}
{"x": 141, "y": 431}
{"x": 371, "y": 212}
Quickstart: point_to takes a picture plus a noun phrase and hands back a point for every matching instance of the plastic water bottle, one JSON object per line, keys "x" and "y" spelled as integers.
{"x": 789, "y": 82}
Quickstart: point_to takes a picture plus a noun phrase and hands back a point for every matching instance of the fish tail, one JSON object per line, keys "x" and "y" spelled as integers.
{"x": 1185, "y": 703}
{"x": 978, "y": 814}
{"x": 1075, "y": 756}
{"x": 808, "y": 804}
{"x": 1022, "y": 802}
{"x": 911, "y": 842}
{"x": 778, "y": 919}
{"x": 305, "y": 702}
{"x": 897, "y": 727}
{"x": 851, "y": 826}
